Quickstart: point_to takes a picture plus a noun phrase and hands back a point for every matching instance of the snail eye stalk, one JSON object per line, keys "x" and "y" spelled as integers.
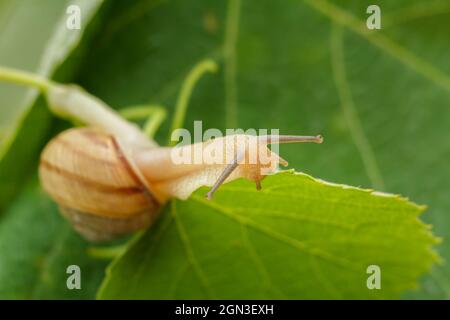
{"x": 266, "y": 139}
{"x": 275, "y": 139}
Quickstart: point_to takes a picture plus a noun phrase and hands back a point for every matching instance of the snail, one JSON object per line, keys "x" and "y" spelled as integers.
{"x": 109, "y": 179}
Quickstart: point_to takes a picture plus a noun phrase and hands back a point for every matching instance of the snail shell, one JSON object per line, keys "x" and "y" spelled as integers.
{"x": 97, "y": 187}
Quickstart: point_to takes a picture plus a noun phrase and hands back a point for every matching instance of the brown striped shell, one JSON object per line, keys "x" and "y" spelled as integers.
{"x": 96, "y": 185}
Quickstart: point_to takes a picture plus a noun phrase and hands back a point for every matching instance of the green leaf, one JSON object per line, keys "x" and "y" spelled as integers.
{"x": 24, "y": 119}
{"x": 37, "y": 245}
{"x": 380, "y": 98}
{"x": 297, "y": 238}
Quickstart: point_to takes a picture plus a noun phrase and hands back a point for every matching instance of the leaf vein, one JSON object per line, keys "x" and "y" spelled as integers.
{"x": 408, "y": 58}
{"x": 294, "y": 243}
{"x": 348, "y": 108}
{"x": 189, "y": 251}
{"x": 229, "y": 53}
{"x": 280, "y": 195}
{"x": 258, "y": 261}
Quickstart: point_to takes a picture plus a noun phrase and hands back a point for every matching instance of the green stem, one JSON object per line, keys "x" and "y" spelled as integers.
{"x": 25, "y": 78}
{"x": 106, "y": 252}
{"x": 116, "y": 251}
{"x": 194, "y": 75}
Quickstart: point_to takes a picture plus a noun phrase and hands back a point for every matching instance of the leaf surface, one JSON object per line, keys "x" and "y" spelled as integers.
{"x": 37, "y": 246}
{"x": 380, "y": 98}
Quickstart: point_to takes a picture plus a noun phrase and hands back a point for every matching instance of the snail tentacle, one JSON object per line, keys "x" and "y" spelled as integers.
{"x": 224, "y": 175}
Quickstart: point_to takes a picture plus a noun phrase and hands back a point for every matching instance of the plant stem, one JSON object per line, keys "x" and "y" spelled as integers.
{"x": 107, "y": 252}
{"x": 25, "y": 78}
{"x": 194, "y": 75}
{"x": 154, "y": 122}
